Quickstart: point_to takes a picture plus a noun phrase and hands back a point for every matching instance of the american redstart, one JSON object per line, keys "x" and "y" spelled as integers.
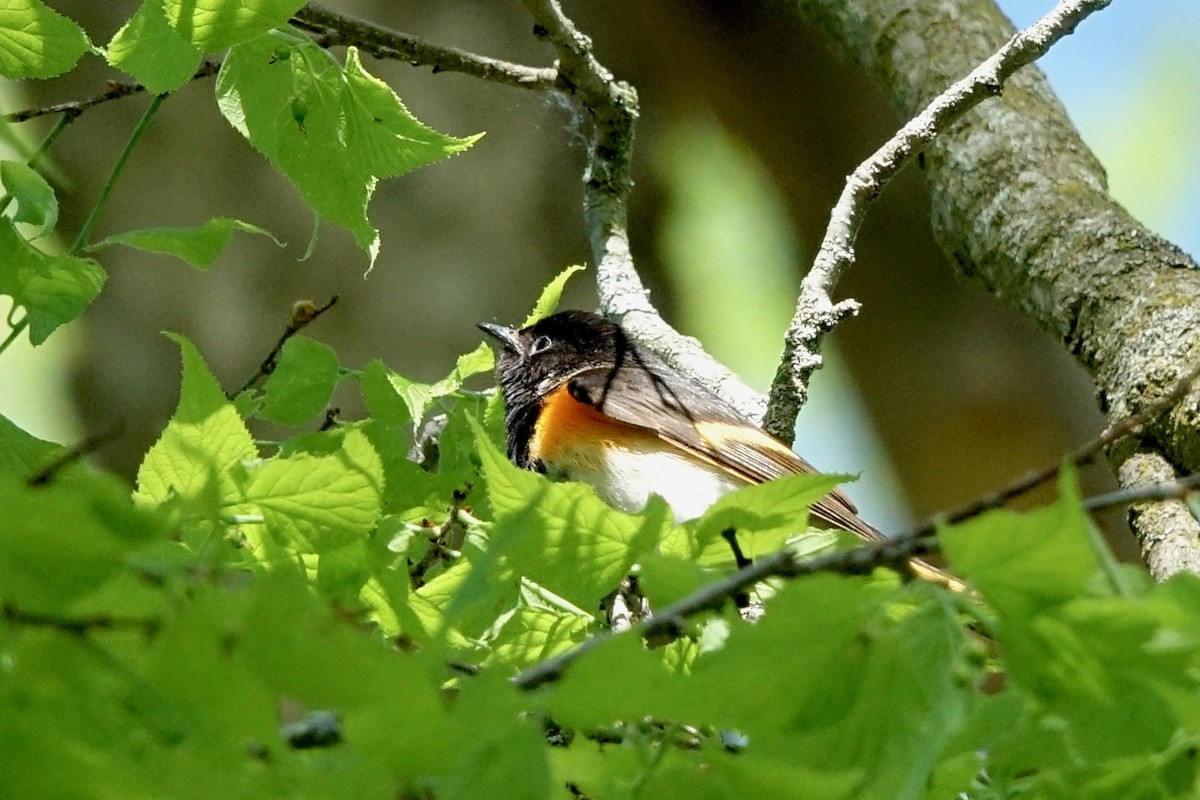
{"x": 585, "y": 403}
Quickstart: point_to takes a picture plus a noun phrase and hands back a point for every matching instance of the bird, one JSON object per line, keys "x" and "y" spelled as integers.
{"x": 584, "y": 402}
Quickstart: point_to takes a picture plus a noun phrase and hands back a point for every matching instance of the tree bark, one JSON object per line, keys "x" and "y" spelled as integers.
{"x": 1021, "y": 205}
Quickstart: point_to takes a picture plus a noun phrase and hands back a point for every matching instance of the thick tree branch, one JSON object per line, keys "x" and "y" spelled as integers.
{"x": 1021, "y": 205}
{"x": 334, "y": 28}
{"x": 610, "y": 108}
{"x": 816, "y": 312}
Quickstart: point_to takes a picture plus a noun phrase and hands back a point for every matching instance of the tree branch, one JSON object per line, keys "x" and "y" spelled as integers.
{"x": 76, "y": 626}
{"x": 334, "y": 28}
{"x": 610, "y": 107}
{"x": 116, "y": 90}
{"x": 816, "y": 312}
{"x": 667, "y": 624}
{"x": 1020, "y": 204}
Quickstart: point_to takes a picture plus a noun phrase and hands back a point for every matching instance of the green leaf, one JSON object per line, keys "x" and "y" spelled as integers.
{"x": 199, "y": 246}
{"x": 384, "y": 403}
{"x": 764, "y": 516}
{"x": 36, "y": 203}
{"x": 53, "y": 289}
{"x": 213, "y": 25}
{"x": 205, "y": 439}
{"x": 510, "y": 763}
{"x": 1024, "y": 562}
{"x": 37, "y": 42}
{"x": 150, "y": 50}
{"x": 531, "y": 635}
{"x": 314, "y": 503}
{"x": 561, "y": 535}
{"x": 417, "y": 397}
{"x": 547, "y": 301}
{"x": 332, "y": 131}
{"x": 61, "y": 540}
{"x": 665, "y": 579}
{"x": 21, "y": 453}
{"x": 303, "y": 381}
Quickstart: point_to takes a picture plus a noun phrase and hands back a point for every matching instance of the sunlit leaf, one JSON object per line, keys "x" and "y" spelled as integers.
{"x": 199, "y": 246}
{"x": 37, "y": 42}
{"x": 36, "y": 203}
{"x": 150, "y": 50}
{"x": 333, "y": 131}
{"x": 52, "y": 289}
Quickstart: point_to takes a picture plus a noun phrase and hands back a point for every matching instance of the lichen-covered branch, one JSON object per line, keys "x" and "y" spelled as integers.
{"x": 816, "y": 312}
{"x": 610, "y": 109}
{"x": 1020, "y": 204}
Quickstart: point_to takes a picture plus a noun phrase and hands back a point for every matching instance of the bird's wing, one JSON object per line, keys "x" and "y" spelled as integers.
{"x": 687, "y": 416}
{"x": 684, "y": 414}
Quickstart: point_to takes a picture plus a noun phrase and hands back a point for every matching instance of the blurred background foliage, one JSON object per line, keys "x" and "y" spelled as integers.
{"x": 935, "y": 393}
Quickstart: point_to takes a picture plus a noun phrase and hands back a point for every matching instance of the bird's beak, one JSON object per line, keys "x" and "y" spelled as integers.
{"x": 506, "y": 336}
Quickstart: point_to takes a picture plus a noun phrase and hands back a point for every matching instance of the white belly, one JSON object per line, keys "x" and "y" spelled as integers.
{"x": 626, "y": 474}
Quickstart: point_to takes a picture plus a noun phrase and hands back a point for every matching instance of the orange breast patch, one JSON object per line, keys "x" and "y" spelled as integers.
{"x": 565, "y": 427}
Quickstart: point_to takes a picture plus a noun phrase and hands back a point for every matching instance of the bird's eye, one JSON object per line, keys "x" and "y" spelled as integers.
{"x": 540, "y": 345}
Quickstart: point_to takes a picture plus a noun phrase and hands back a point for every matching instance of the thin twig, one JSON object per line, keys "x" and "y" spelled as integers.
{"x": 816, "y": 312}
{"x": 1084, "y": 454}
{"x": 116, "y": 90}
{"x": 668, "y": 623}
{"x": 69, "y": 456}
{"x": 139, "y": 130}
{"x": 1172, "y": 490}
{"x": 304, "y": 313}
{"x": 610, "y": 109}
{"x": 334, "y": 28}
{"x": 77, "y": 626}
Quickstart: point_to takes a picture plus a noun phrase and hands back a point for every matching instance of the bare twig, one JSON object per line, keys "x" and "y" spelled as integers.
{"x": 667, "y": 624}
{"x": 304, "y": 313}
{"x": 610, "y": 108}
{"x": 1171, "y": 490}
{"x": 69, "y": 456}
{"x": 76, "y": 626}
{"x": 334, "y": 28}
{"x": 116, "y": 90}
{"x": 1084, "y": 454}
{"x": 816, "y": 312}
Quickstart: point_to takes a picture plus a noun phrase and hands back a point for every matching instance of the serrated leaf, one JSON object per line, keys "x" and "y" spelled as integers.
{"x": 302, "y": 383}
{"x": 150, "y": 50}
{"x": 418, "y": 397}
{"x": 315, "y": 503}
{"x": 36, "y": 203}
{"x": 37, "y": 42}
{"x": 203, "y": 442}
{"x": 531, "y": 635}
{"x": 213, "y": 25}
{"x": 199, "y": 246}
{"x": 53, "y": 289}
{"x": 561, "y": 535}
{"x": 1022, "y": 562}
{"x": 548, "y": 300}
{"x": 764, "y": 516}
{"x": 332, "y": 131}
